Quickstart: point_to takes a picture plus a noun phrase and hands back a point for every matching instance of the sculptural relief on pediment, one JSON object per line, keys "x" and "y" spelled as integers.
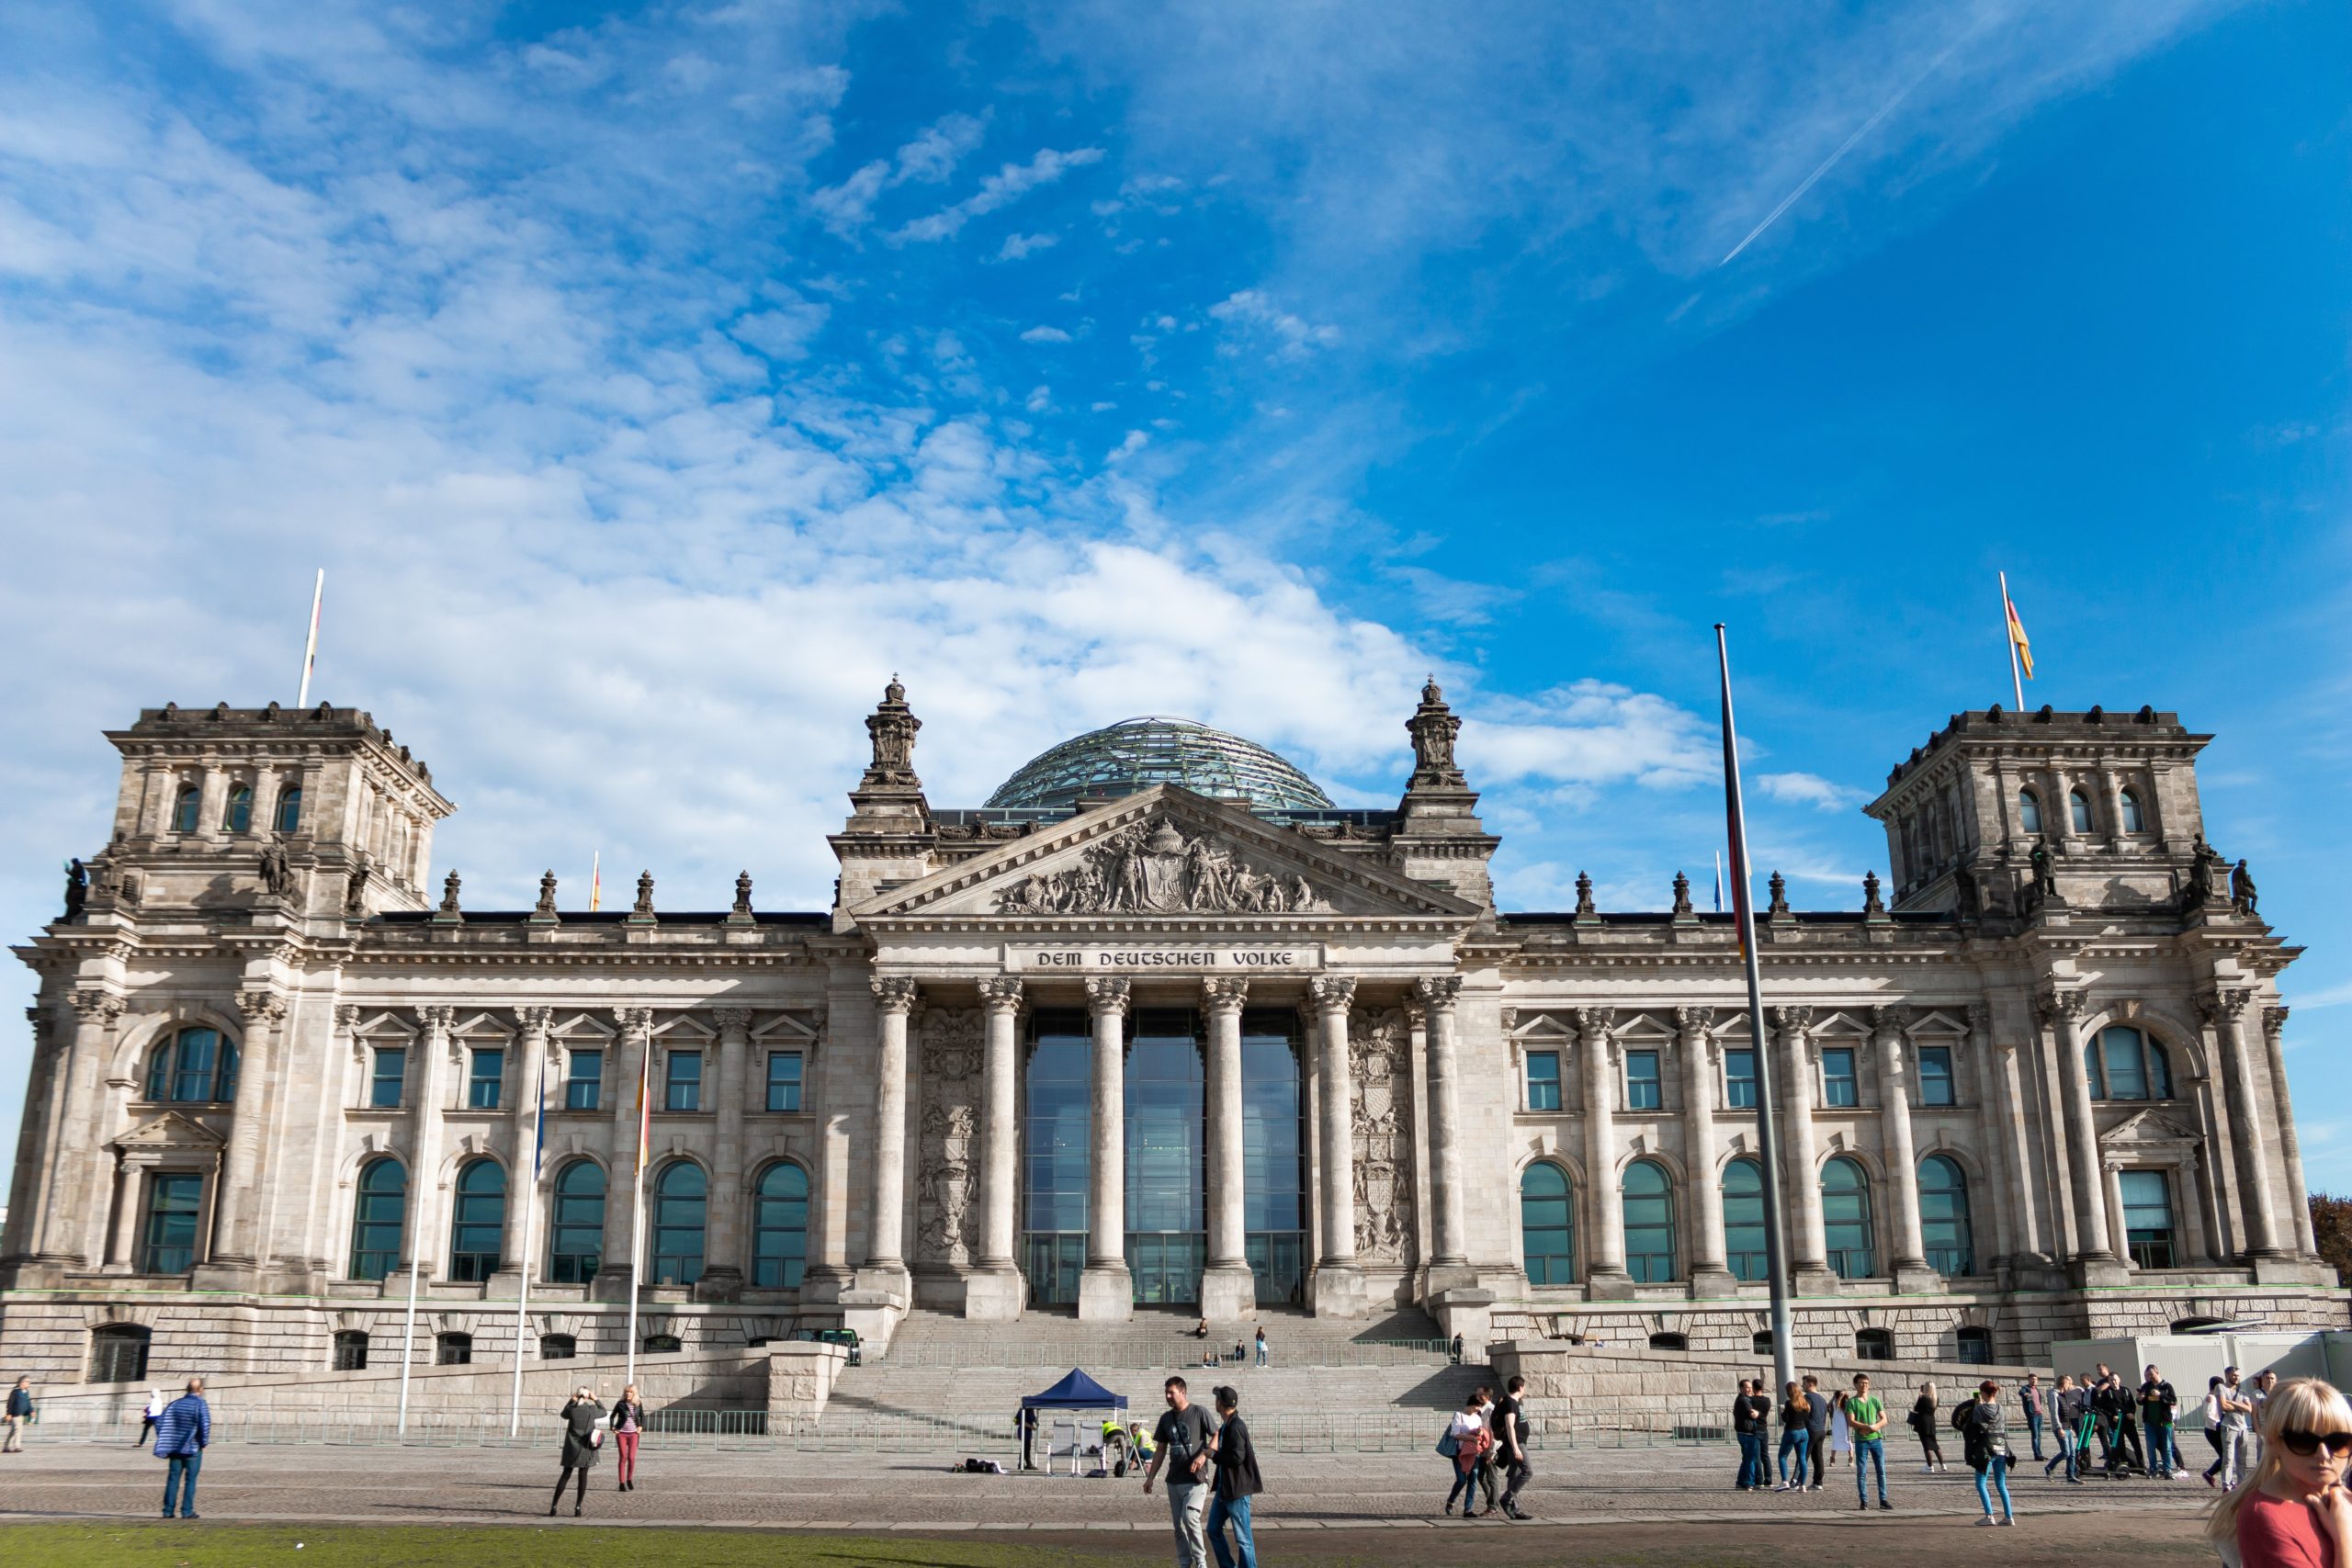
{"x": 1155, "y": 867}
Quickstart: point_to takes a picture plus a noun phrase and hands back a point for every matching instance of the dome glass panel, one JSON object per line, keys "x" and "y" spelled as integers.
{"x": 1135, "y": 754}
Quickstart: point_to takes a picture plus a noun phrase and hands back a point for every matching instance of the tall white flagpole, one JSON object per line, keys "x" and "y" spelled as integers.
{"x": 2009, "y": 640}
{"x": 310, "y": 648}
{"x": 408, "y": 1340}
{"x": 522, "y": 1289}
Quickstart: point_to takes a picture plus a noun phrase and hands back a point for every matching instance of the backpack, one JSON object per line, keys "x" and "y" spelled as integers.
{"x": 1960, "y": 1414}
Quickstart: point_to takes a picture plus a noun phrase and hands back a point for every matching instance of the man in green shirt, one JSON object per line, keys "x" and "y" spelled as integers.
{"x": 1866, "y": 1416}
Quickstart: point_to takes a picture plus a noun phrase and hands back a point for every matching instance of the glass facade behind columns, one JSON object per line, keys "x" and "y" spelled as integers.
{"x": 1166, "y": 1217}
{"x": 1273, "y": 1156}
{"x": 1056, "y": 1143}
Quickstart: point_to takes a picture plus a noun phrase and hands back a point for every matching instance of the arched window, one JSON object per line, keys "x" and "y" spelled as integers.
{"x": 2134, "y": 819}
{"x": 452, "y": 1351}
{"x": 1974, "y": 1346}
{"x": 2078, "y": 805}
{"x": 1744, "y": 1221}
{"x": 576, "y": 1238}
{"x": 197, "y": 1066}
{"x": 2123, "y": 1063}
{"x": 118, "y": 1352}
{"x": 376, "y": 1217}
{"x": 350, "y": 1351}
{"x": 184, "y": 810}
{"x": 662, "y": 1344}
{"x": 1547, "y": 1223}
{"x": 679, "y": 1204}
{"x": 239, "y": 816}
{"x": 1846, "y": 1218}
{"x": 1944, "y": 1216}
{"x": 477, "y": 1222}
{"x": 1874, "y": 1345}
{"x": 558, "y": 1347}
{"x": 2029, "y": 812}
{"x": 1669, "y": 1342}
{"x": 1649, "y": 1223}
{"x": 289, "y": 809}
{"x": 780, "y": 1227}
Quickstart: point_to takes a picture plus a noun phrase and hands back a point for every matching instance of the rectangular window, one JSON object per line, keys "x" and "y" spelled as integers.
{"x": 1643, "y": 1091}
{"x": 682, "y": 1090}
{"x": 1935, "y": 1075}
{"x": 583, "y": 1079}
{"x": 384, "y": 1084}
{"x": 1739, "y": 1079}
{"x": 481, "y": 1085}
{"x": 1542, "y": 1080}
{"x": 173, "y": 1203}
{"x": 784, "y": 1081}
{"x": 2147, "y": 1217}
{"x": 1838, "y": 1086}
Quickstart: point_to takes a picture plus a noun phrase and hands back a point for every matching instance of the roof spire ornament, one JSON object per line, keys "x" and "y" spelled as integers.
{"x": 1433, "y": 727}
{"x": 892, "y": 726}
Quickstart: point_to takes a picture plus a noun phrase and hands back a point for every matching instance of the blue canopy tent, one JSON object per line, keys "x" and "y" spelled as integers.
{"x": 1076, "y": 1391}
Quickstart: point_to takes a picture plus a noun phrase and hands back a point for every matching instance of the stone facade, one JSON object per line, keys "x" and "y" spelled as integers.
{"x": 2040, "y": 1095}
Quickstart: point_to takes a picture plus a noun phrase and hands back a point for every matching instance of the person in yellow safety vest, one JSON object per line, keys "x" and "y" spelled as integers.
{"x": 1115, "y": 1445}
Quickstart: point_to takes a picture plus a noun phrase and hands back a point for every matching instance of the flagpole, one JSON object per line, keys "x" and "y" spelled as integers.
{"x": 408, "y": 1340}
{"x": 637, "y": 1204}
{"x": 2009, "y": 639}
{"x": 1776, "y": 1249}
{"x": 310, "y": 648}
{"x": 530, "y": 1213}
{"x": 596, "y": 882}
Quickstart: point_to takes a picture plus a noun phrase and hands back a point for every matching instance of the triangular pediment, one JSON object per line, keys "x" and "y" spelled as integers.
{"x": 171, "y": 1130}
{"x": 1165, "y": 852}
{"x": 2144, "y": 1129}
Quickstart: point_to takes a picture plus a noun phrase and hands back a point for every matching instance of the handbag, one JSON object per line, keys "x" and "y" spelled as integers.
{"x": 596, "y": 1438}
{"x": 1449, "y": 1445}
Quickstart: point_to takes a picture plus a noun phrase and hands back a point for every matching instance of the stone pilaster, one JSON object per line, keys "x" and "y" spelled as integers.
{"x": 1229, "y": 1291}
{"x": 240, "y": 1205}
{"x": 1799, "y": 1154}
{"x": 2225, "y": 1009}
{"x": 1901, "y": 1160}
{"x": 1710, "y": 1275}
{"x": 886, "y": 1265}
{"x": 423, "y": 1237}
{"x": 72, "y": 1167}
{"x": 1605, "y": 1276}
{"x": 722, "y": 1273}
{"x": 1449, "y": 1246}
{"x": 1106, "y": 1287}
{"x": 629, "y": 1082}
{"x": 524, "y": 1234}
{"x": 2094, "y": 1260}
{"x": 2274, "y": 1029}
{"x": 994, "y": 1292}
{"x": 1338, "y": 1290}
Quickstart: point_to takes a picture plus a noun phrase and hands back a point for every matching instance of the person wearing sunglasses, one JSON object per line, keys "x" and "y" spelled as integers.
{"x": 2293, "y": 1511}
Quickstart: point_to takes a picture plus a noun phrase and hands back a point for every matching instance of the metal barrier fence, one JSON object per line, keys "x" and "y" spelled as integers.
{"x": 1172, "y": 1355}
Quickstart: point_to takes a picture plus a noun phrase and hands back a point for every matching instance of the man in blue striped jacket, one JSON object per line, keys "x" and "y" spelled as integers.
{"x": 182, "y": 1432}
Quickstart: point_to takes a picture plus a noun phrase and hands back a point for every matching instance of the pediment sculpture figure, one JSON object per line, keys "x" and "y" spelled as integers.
{"x": 1155, "y": 867}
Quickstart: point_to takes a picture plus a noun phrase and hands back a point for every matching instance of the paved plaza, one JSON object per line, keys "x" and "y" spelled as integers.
{"x": 1579, "y": 1490}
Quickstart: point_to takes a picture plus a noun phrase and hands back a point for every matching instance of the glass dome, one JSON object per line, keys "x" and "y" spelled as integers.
{"x": 1137, "y": 753}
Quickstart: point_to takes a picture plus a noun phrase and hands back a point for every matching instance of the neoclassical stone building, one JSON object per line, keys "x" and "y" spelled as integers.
{"x": 1158, "y": 1025}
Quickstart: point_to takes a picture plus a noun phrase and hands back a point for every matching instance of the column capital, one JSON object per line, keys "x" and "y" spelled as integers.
{"x": 634, "y": 1021}
{"x": 1888, "y": 1023}
{"x": 534, "y": 1020}
{"x": 2226, "y": 1004}
{"x": 1001, "y": 993}
{"x": 1107, "y": 994}
{"x": 261, "y": 1007}
{"x": 1980, "y": 1019}
{"x": 437, "y": 1018}
{"x": 1690, "y": 1023}
{"x": 1791, "y": 1023}
{"x": 1592, "y": 1023}
{"x": 734, "y": 1023}
{"x": 347, "y": 1017}
{"x": 1224, "y": 993}
{"x": 97, "y": 1005}
{"x": 2063, "y": 1009}
{"x": 1439, "y": 993}
{"x": 895, "y": 993}
{"x": 2274, "y": 1021}
{"x": 1332, "y": 993}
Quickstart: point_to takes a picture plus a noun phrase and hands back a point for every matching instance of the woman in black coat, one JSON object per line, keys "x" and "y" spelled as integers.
{"x": 1923, "y": 1422}
{"x": 579, "y": 1440}
{"x": 1237, "y": 1481}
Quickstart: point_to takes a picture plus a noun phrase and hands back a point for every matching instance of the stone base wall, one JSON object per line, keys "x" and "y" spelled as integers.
{"x": 1925, "y": 1329}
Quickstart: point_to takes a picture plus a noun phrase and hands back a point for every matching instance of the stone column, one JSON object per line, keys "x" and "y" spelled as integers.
{"x": 1450, "y": 1247}
{"x": 886, "y": 1266}
{"x": 2000, "y": 1126}
{"x": 2062, "y": 1012}
{"x": 2224, "y": 1009}
{"x": 523, "y": 1186}
{"x": 1338, "y": 1288}
{"x": 424, "y": 1239}
{"x": 1911, "y": 1271}
{"x": 1800, "y": 1161}
{"x": 628, "y": 1063}
{"x": 994, "y": 1291}
{"x": 1229, "y": 1291}
{"x": 125, "y": 1236}
{"x": 722, "y": 1274}
{"x": 240, "y": 1204}
{"x": 1710, "y": 1275}
{"x": 66, "y": 1184}
{"x": 2274, "y": 1028}
{"x": 1106, "y": 1291}
{"x": 1604, "y": 1272}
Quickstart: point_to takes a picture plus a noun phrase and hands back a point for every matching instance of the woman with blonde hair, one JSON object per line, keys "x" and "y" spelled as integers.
{"x": 2292, "y": 1511}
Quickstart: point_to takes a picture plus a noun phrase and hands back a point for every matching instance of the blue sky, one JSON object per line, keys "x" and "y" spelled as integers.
{"x": 653, "y": 382}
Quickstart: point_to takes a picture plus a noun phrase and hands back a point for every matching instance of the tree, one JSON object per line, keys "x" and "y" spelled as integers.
{"x": 2332, "y": 1229}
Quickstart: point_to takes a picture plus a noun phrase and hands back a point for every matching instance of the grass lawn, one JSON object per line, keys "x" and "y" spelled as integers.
{"x": 420, "y": 1546}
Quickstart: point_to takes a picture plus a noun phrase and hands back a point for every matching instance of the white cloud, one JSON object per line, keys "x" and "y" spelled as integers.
{"x": 1040, "y": 400}
{"x": 1293, "y": 336}
{"x": 930, "y": 158}
{"x": 1019, "y": 245}
{"x": 1808, "y": 789}
{"x": 1008, "y": 185}
{"x": 1045, "y": 335}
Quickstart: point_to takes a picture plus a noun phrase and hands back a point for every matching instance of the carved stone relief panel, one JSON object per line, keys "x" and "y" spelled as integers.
{"x": 1157, "y": 867}
{"x": 948, "y": 1186}
{"x": 1381, "y": 1062}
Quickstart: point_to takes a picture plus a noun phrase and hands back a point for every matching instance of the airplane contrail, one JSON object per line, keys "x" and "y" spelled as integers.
{"x": 1843, "y": 148}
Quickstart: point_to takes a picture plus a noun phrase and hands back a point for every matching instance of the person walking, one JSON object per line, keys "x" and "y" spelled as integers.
{"x": 2066, "y": 1408}
{"x": 1261, "y": 1344}
{"x": 1817, "y": 1432}
{"x": 1796, "y": 1424}
{"x": 1183, "y": 1443}
{"x": 1985, "y": 1449}
{"x": 182, "y": 1431}
{"x": 21, "y": 1410}
{"x": 2158, "y": 1404}
{"x": 1237, "y": 1481}
{"x": 2295, "y": 1512}
{"x": 1923, "y": 1422}
{"x": 628, "y": 1425}
{"x": 1510, "y": 1425}
{"x": 148, "y": 1418}
{"x": 2030, "y": 1399}
{"x": 1466, "y": 1440}
{"x": 582, "y": 1438}
{"x": 1489, "y": 1487}
{"x": 2213, "y": 1412}
{"x": 2130, "y": 1458}
{"x": 1866, "y": 1415}
{"x": 1751, "y": 1413}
